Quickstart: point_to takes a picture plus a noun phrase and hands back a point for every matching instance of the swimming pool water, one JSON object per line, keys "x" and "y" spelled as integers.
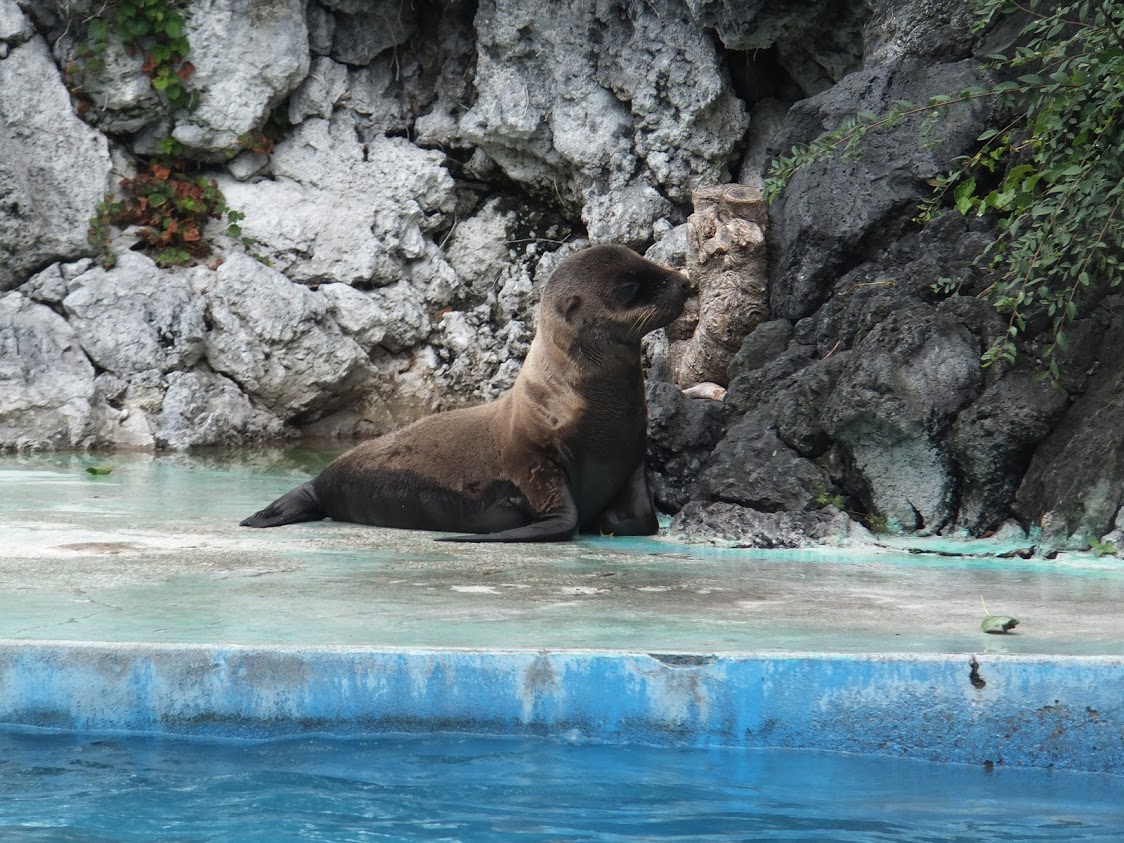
{"x": 83, "y": 788}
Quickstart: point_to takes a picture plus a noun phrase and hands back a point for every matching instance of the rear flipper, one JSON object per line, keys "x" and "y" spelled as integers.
{"x": 301, "y": 504}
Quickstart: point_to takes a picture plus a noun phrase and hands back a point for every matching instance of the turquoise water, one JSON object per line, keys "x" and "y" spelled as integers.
{"x": 93, "y": 789}
{"x": 152, "y": 552}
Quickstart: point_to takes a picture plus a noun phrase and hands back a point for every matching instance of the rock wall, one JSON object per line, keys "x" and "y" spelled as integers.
{"x": 427, "y": 164}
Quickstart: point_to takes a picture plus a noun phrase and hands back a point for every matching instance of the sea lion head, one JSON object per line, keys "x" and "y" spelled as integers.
{"x": 609, "y": 295}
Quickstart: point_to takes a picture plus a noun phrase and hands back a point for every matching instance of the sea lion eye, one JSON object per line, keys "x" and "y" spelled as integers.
{"x": 627, "y": 291}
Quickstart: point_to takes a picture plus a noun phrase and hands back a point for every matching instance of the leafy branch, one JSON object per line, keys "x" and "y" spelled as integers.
{"x": 1051, "y": 179}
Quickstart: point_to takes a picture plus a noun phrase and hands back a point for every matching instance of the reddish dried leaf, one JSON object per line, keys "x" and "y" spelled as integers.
{"x": 185, "y": 71}
{"x": 161, "y": 171}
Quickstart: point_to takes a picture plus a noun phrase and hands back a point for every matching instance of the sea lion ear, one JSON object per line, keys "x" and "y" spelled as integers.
{"x": 569, "y": 308}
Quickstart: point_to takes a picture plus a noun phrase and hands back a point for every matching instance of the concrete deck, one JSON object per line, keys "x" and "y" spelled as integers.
{"x": 152, "y": 553}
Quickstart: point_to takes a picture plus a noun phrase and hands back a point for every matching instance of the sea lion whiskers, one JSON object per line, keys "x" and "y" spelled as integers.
{"x": 647, "y": 321}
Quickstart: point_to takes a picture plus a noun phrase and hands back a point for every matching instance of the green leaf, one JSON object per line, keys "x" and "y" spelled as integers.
{"x": 965, "y": 195}
{"x": 98, "y": 469}
{"x": 998, "y": 624}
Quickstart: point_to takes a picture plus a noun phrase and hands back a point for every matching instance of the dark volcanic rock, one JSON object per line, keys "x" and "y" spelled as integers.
{"x": 751, "y": 389}
{"x": 763, "y": 345}
{"x": 992, "y": 442}
{"x": 798, "y": 404}
{"x": 904, "y": 275}
{"x": 726, "y": 522}
{"x": 835, "y": 214}
{"x": 682, "y": 432}
{"x": 1077, "y": 474}
{"x": 752, "y": 467}
{"x": 893, "y": 407}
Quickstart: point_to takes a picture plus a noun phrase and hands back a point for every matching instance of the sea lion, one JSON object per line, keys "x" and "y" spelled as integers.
{"x": 562, "y": 451}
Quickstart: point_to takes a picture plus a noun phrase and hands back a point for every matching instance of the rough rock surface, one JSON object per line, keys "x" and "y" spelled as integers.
{"x": 740, "y": 526}
{"x": 1077, "y": 475}
{"x": 46, "y": 382}
{"x": 135, "y": 319}
{"x": 893, "y": 407}
{"x": 753, "y": 468}
{"x": 202, "y": 408}
{"x": 245, "y": 64}
{"x": 340, "y": 210}
{"x": 54, "y": 169}
{"x": 647, "y": 112}
{"x": 993, "y": 440}
{"x": 121, "y": 97}
{"x": 681, "y": 434}
{"x": 276, "y": 340}
{"x": 835, "y": 214}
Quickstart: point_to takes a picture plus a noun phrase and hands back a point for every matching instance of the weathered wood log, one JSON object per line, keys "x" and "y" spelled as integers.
{"x": 727, "y": 266}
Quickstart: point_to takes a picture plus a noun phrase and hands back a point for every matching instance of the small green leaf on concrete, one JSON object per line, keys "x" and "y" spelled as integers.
{"x": 998, "y": 624}
{"x": 99, "y": 469}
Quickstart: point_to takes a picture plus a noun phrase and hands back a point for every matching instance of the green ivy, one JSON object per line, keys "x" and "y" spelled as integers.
{"x": 1051, "y": 177}
{"x": 168, "y": 202}
{"x": 170, "y": 206}
{"x": 153, "y": 31}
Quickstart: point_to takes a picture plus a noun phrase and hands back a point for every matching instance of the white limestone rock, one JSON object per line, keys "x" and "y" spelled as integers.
{"x": 277, "y": 341}
{"x": 338, "y": 210}
{"x": 47, "y": 286}
{"x": 54, "y": 169}
{"x": 245, "y": 64}
{"x": 626, "y": 215}
{"x": 247, "y": 165}
{"x": 375, "y": 94}
{"x": 136, "y": 318}
{"x": 393, "y": 318}
{"x": 477, "y": 361}
{"x": 645, "y": 114}
{"x": 15, "y": 28}
{"x": 46, "y": 381}
{"x": 317, "y": 96}
{"x": 202, "y": 408}
{"x": 121, "y": 97}
{"x": 321, "y": 29}
{"x": 367, "y": 27}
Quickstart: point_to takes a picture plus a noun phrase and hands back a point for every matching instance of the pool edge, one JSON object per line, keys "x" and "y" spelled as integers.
{"x": 1015, "y": 710}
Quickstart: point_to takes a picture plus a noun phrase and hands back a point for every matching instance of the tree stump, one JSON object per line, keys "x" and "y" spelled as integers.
{"x": 728, "y": 271}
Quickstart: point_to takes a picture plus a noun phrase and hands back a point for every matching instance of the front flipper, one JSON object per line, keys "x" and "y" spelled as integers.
{"x": 558, "y": 525}
{"x": 631, "y": 513}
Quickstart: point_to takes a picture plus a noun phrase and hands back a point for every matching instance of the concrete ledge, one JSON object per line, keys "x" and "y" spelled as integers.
{"x": 1011, "y": 710}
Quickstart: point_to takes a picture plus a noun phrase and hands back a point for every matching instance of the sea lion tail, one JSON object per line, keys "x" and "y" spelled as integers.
{"x": 301, "y": 504}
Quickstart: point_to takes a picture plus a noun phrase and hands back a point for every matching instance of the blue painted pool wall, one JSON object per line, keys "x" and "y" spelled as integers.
{"x": 1032, "y": 711}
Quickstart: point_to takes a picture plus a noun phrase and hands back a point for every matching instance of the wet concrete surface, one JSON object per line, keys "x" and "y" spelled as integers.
{"x": 152, "y": 552}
